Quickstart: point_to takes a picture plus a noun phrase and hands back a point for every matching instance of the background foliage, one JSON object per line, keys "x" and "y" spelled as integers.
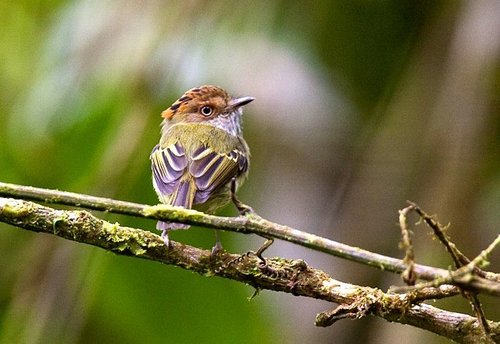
{"x": 360, "y": 106}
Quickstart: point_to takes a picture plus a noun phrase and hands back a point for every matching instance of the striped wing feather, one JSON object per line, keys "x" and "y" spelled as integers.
{"x": 183, "y": 179}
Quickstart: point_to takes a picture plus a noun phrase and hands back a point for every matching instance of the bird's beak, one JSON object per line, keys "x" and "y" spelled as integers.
{"x": 239, "y": 102}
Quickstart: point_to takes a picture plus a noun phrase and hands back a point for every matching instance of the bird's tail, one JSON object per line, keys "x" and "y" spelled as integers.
{"x": 183, "y": 196}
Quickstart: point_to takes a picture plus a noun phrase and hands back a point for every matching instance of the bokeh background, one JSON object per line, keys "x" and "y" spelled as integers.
{"x": 360, "y": 105}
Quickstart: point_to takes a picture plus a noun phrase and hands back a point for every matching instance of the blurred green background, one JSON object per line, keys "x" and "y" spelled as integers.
{"x": 360, "y": 105}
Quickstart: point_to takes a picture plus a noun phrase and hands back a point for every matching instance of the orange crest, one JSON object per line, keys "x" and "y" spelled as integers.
{"x": 201, "y": 94}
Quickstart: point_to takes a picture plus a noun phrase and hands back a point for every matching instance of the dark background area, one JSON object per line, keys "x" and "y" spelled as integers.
{"x": 360, "y": 105}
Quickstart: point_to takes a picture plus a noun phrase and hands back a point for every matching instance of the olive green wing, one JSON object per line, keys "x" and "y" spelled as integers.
{"x": 183, "y": 180}
{"x": 212, "y": 170}
{"x": 169, "y": 166}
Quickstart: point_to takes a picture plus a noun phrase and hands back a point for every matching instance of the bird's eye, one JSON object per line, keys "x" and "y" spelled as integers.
{"x": 206, "y": 110}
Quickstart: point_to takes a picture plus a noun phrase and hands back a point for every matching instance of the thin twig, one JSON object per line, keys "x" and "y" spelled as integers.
{"x": 458, "y": 257}
{"x": 409, "y": 276}
{"x": 459, "y": 260}
{"x": 462, "y": 277}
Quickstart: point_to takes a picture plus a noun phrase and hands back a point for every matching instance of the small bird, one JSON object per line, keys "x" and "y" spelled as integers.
{"x": 202, "y": 158}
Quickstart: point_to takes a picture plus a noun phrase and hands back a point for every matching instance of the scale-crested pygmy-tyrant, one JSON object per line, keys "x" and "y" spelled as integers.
{"x": 202, "y": 158}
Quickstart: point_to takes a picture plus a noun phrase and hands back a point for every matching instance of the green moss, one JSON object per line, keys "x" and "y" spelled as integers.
{"x": 136, "y": 249}
{"x": 122, "y": 247}
{"x": 16, "y": 210}
{"x": 208, "y": 273}
{"x": 112, "y": 231}
{"x": 174, "y": 213}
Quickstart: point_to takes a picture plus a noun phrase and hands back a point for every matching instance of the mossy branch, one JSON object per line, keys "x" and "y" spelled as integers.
{"x": 291, "y": 276}
{"x": 251, "y": 224}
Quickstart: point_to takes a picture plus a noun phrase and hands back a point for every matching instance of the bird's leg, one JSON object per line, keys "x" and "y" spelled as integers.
{"x": 218, "y": 245}
{"x": 243, "y": 209}
{"x": 263, "y": 263}
{"x": 261, "y": 250}
{"x": 264, "y": 267}
{"x": 164, "y": 236}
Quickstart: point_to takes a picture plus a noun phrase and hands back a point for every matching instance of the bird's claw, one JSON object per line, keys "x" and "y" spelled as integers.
{"x": 216, "y": 250}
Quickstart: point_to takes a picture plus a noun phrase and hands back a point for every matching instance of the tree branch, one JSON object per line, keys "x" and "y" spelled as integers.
{"x": 291, "y": 276}
{"x": 251, "y": 224}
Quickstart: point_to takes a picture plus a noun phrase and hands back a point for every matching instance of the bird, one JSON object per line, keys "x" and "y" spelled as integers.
{"x": 202, "y": 158}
